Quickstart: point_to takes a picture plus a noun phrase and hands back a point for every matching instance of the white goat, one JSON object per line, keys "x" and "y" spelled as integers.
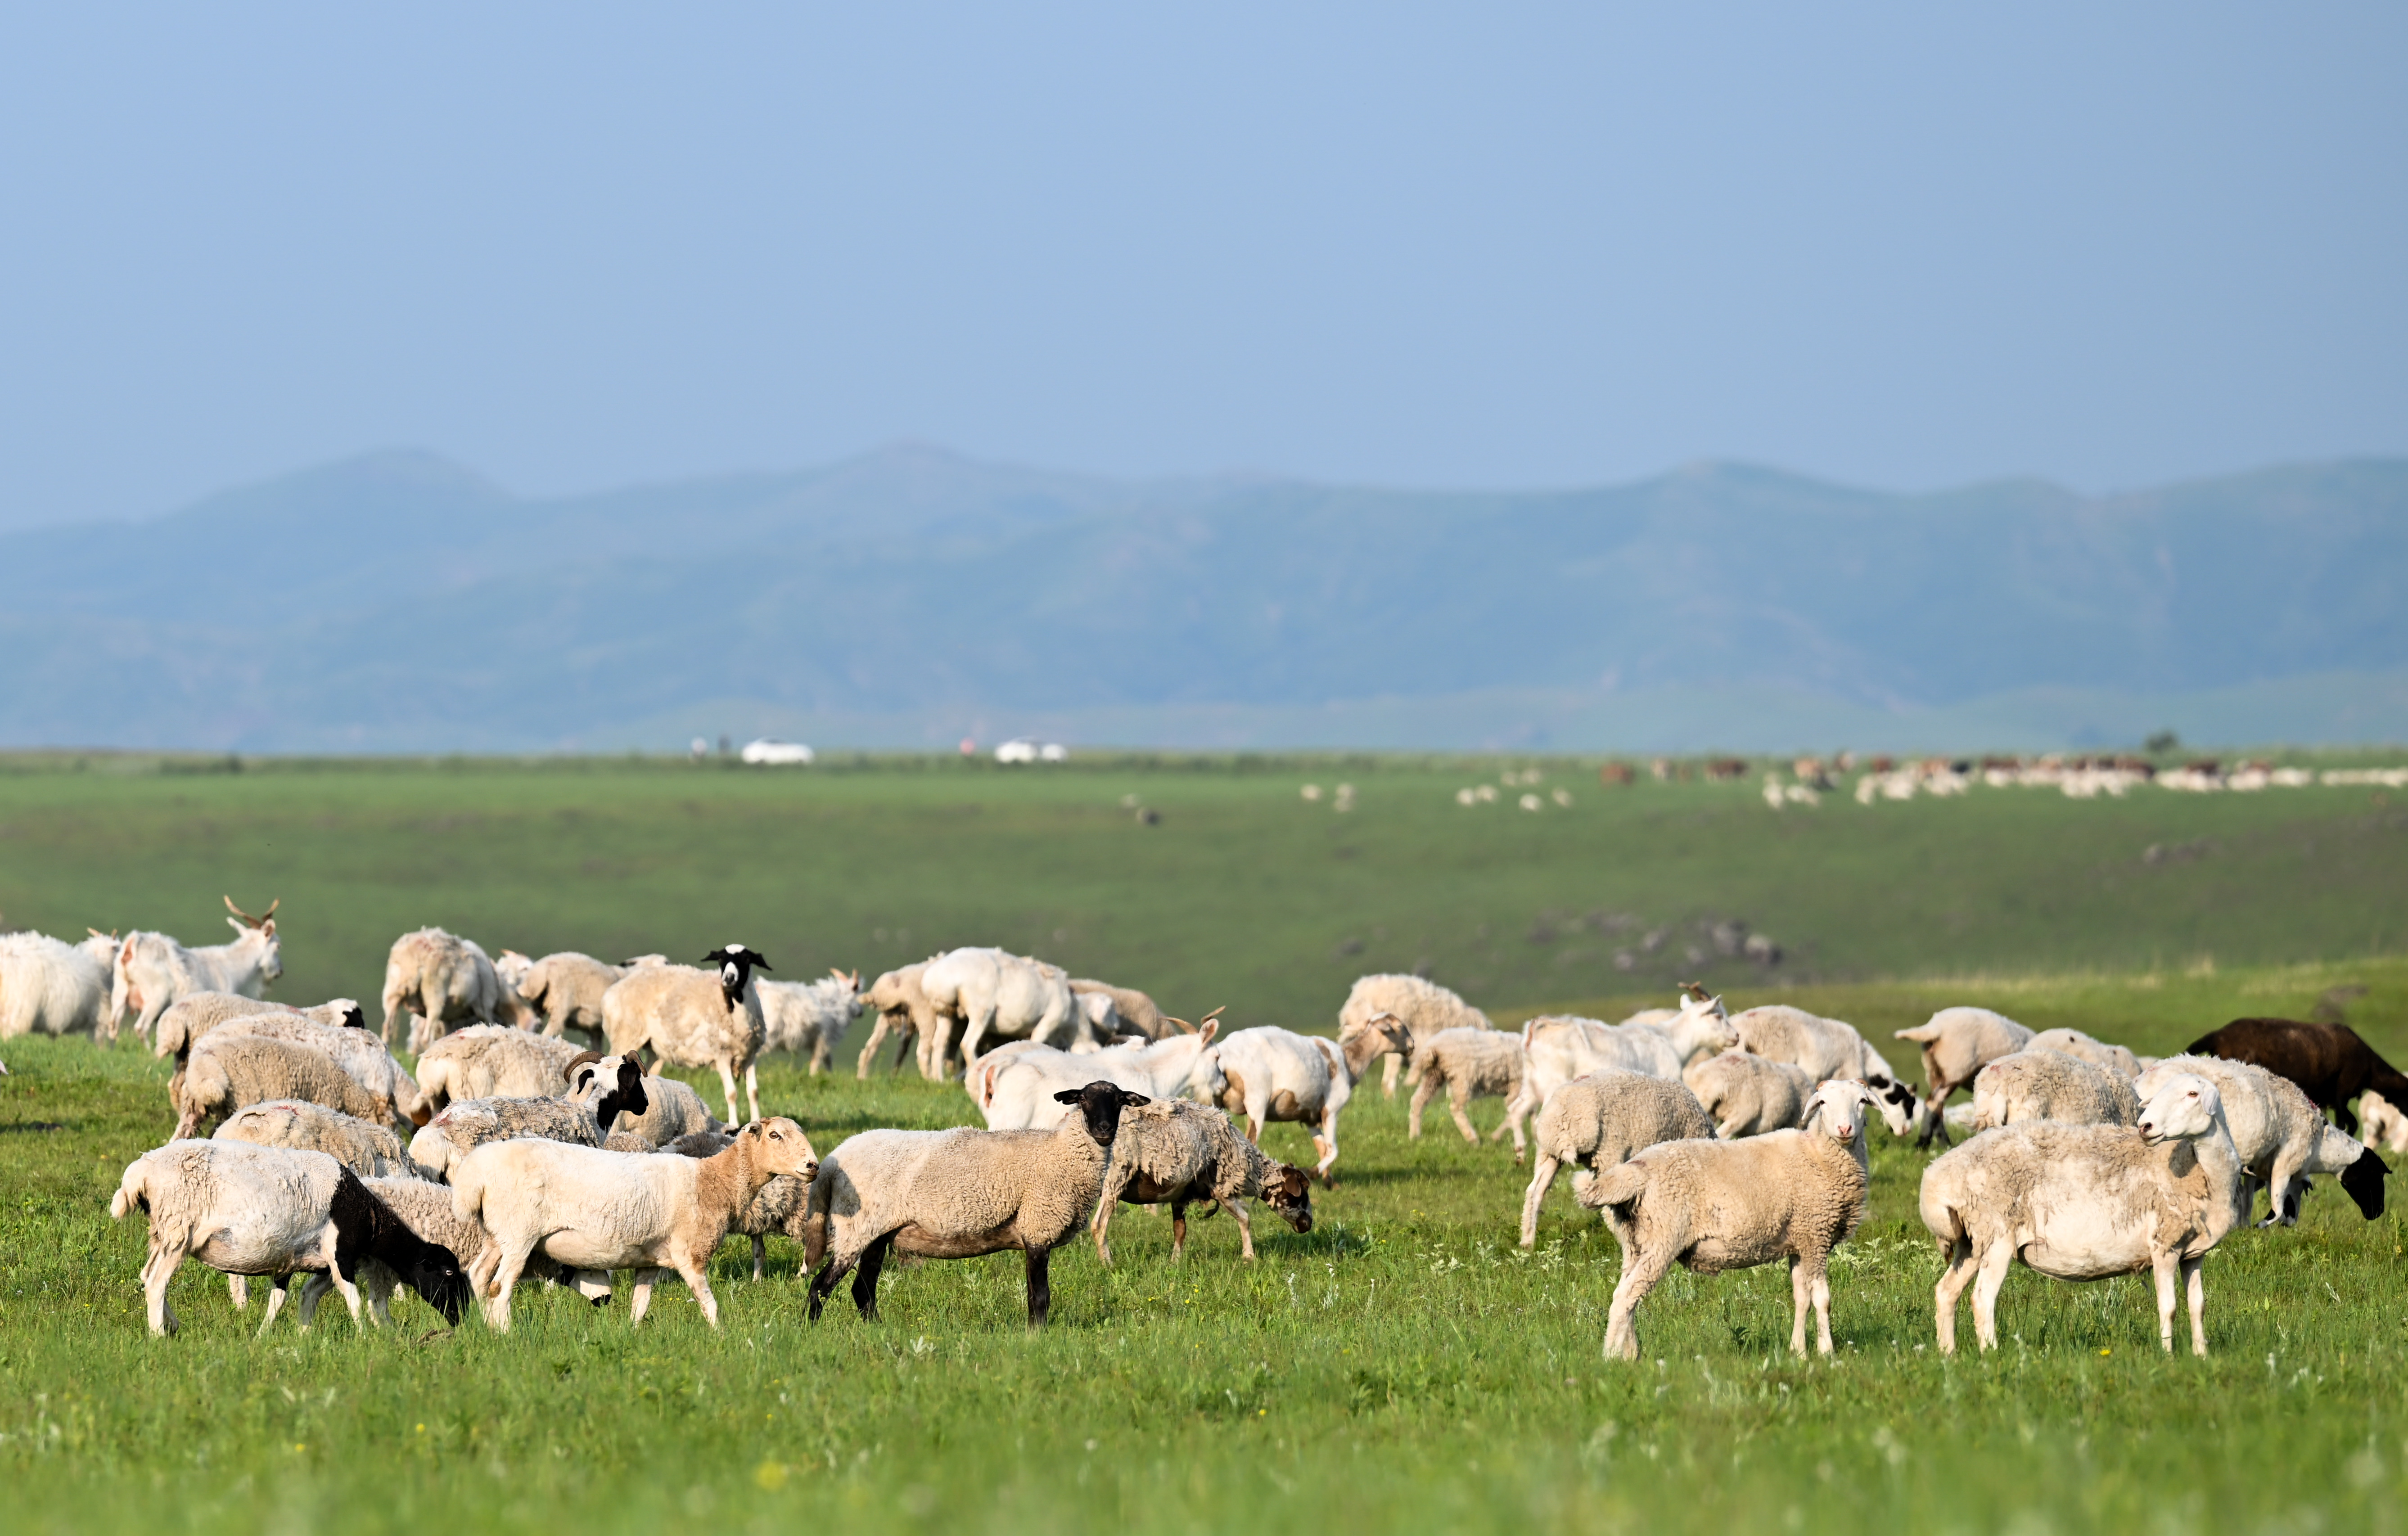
{"x": 152, "y": 971}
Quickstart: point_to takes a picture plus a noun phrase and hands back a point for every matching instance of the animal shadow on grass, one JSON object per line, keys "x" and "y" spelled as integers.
{"x": 16, "y": 1125}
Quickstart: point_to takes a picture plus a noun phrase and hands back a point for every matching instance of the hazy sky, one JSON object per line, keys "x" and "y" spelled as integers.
{"x": 1477, "y": 245}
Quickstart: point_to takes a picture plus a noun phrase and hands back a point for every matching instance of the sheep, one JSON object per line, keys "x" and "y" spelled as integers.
{"x": 692, "y": 1018}
{"x": 902, "y": 1005}
{"x": 1561, "y": 1048}
{"x": 351, "y": 1047}
{"x": 1421, "y": 1009}
{"x": 425, "y": 1209}
{"x": 1957, "y": 1043}
{"x": 50, "y": 987}
{"x": 183, "y": 1022}
{"x": 617, "y": 1083}
{"x": 2118, "y": 1059}
{"x": 2380, "y": 1123}
{"x": 439, "y": 977}
{"x": 1178, "y": 1153}
{"x": 586, "y": 1209}
{"x": 2033, "y": 1083}
{"x": 1599, "y": 1120}
{"x": 1829, "y": 1049}
{"x": 777, "y": 1206}
{"x": 1018, "y": 1092}
{"x": 494, "y": 1061}
{"x": 247, "y": 1209}
{"x": 2085, "y": 1202}
{"x": 995, "y": 991}
{"x": 668, "y": 1110}
{"x": 152, "y": 970}
{"x": 1276, "y": 1074}
{"x": 1133, "y": 1010}
{"x": 368, "y": 1149}
{"x": 228, "y": 1073}
{"x": 958, "y": 1194}
{"x": 565, "y": 989}
{"x": 1468, "y": 1064}
{"x": 2280, "y": 1137}
{"x": 1748, "y": 1095}
{"x": 2328, "y": 1062}
{"x": 1712, "y": 1206}
{"x": 809, "y": 1017}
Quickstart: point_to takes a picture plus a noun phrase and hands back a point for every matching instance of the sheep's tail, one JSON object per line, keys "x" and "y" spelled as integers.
{"x": 131, "y": 1194}
{"x": 1616, "y": 1188}
{"x": 1922, "y": 1034}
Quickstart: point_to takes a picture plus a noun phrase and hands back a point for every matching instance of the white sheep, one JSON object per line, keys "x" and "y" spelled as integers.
{"x": 586, "y": 1209}
{"x": 1018, "y": 1091}
{"x": 228, "y": 1073}
{"x": 2280, "y": 1136}
{"x": 2381, "y": 1124}
{"x": 1421, "y": 1007}
{"x": 245, "y": 1210}
{"x": 1957, "y": 1043}
{"x": 1711, "y": 1206}
{"x": 368, "y": 1149}
{"x": 671, "y": 1110}
{"x": 1268, "y": 1073}
{"x": 151, "y": 971}
{"x": 565, "y": 988}
{"x": 695, "y": 1018}
{"x": 183, "y": 1022}
{"x": 1179, "y": 1154}
{"x": 2073, "y": 1043}
{"x": 958, "y": 1194}
{"x": 583, "y": 1118}
{"x": 1559, "y": 1048}
{"x": 440, "y": 978}
{"x": 1468, "y": 1064}
{"x": 494, "y": 1061}
{"x": 779, "y": 1207}
{"x": 351, "y": 1047}
{"x": 1599, "y": 1120}
{"x": 993, "y": 992}
{"x": 51, "y": 987}
{"x": 1829, "y": 1050}
{"x": 2085, "y": 1202}
{"x": 2034, "y": 1084}
{"x": 809, "y": 1018}
{"x": 1748, "y": 1095}
{"x": 1133, "y": 1011}
{"x": 903, "y": 1007}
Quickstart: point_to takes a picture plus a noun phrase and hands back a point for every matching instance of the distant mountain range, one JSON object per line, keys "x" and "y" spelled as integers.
{"x": 398, "y": 603}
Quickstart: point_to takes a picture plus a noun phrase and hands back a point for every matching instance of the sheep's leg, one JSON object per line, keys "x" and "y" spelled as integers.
{"x": 2195, "y": 1283}
{"x": 1458, "y": 1103}
{"x": 1820, "y": 1292}
{"x": 157, "y": 1270}
{"x": 690, "y": 1269}
{"x": 865, "y": 1278}
{"x": 1390, "y": 1072}
{"x": 1326, "y": 1143}
{"x": 2286, "y": 1185}
{"x": 1245, "y": 1229}
{"x": 1519, "y": 1110}
{"x": 1521, "y": 1145}
{"x": 824, "y": 1281}
{"x": 1178, "y": 1231}
{"x": 238, "y": 1291}
{"x": 823, "y": 1054}
{"x": 1952, "y": 1282}
{"x": 752, "y": 1090}
{"x": 1101, "y": 1228}
{"x": 645, "y": 1280}
{"x": 506, "y": 1278}
{"x": 1040, "y": 1293}
{"x": 1641, "y": 1273}
{"x": 727, "y": 1081}
{"x": 2163, "y": 1268}
{"x": 1414, "y": 1110}
{"x": 760, "y": 1255}
{"x": 1542, "y": 1178}
{"x": 1985, "y": 1292}
{"x": 276, "y": 1302}
{"x": 1801, "y": 1289}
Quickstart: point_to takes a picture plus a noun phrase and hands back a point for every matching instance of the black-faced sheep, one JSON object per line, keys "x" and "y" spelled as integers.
{"x": 695, "y": 1018}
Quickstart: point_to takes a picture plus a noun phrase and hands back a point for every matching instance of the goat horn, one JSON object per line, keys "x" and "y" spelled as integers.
{"x": 240, "y": 912}
{"x": 271, "y": 909}
{"x": 1214, "y": 1014}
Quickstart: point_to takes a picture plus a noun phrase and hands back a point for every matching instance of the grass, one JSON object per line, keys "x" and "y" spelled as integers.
{"x": 1402, "y": 1366}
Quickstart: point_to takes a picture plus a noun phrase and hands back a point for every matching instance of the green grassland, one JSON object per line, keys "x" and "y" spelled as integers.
{"x": 1403, "y": 1366}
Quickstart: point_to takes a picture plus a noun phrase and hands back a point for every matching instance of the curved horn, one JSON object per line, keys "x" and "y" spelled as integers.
{"x": 240, "y": 912}
{"x": 271, "y": 909}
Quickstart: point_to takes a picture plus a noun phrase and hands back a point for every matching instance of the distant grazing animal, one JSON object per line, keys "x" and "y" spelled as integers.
{"x": 1421, "y": 1007}
{"x": 902, "y": 1006}
{"x": 807, "y": 1018}
{"x": 2328, "y": 1062}
{"x": 995, "y": 993}
{"x": 1957, "y": 1043}
{"x": 440, "y": 978}
{"x": 152, "y": 970}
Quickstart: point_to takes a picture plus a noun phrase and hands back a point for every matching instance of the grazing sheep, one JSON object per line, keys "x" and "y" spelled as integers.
{"x": 2280, "y": 1137}
{"x": 807, "y": 1018}
{"x": 586, "y": 1209}
{"x": 1830, "y": 1050}
{"x": 362, "y": 1058}
{"x": 439, "y": 977}
{"x": 1957, "y": 1043}
{"x": 566, "y": 989}
{"x": 183, "y": 1022}
{"x": 1712, "y": 1206}
{"x": 1276, "y": 1074}
{"x": 50, "y": 987}
{"x": 958, "y": 1194}
{"x": 1421, "y": 1009}
{"x": 2085, "y": 1202}
{"x": 668, "y": 1110}
{"x": 247, "y": 1209}
{"x": 993, "y": 992}
{"x": 1748, "y": 1095}
{"x": 2033, "y": 1083}
{"x": 227, "y": 1073}
{"x": 1132, "y": 1011}
{"x": 1469, "y": 1064}
{"x": 2380, "y": 1123}
{"x": 694, "y": 1018}
{"x": 1599, "y": 1120}
{"x": 152, "y": 970}
{"x": 1018, "y": 1093}
{"x": 584, "y": 1116}
{"x": 2328, "y": 1062}
{"x": 1178, "y": 1153}
{"x": 902, "y": 1006}
{"x": 2118, "y": 1059}
{"x": 494, "y": 1061}
{"x": 368, "y": 1149}
{"x": 1560, "y": 1049}
{"x": 425, "y": 1209}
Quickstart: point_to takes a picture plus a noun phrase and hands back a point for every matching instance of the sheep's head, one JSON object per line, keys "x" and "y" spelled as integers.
{"x": 2362, "y": 1180}
{"x": 612, "y": 1085}
{"x": 1896, "y": 1104}
{"x": 1099, "y": 1105}
{"x": 2184, "y": 1105}
{"x": 1289, "y": 1192}
{"x": 737, "y": 963}
{"x": 437, "y": 1277}
{"x": 777, "y": 1146}
{"x": 1838, "y": 1111}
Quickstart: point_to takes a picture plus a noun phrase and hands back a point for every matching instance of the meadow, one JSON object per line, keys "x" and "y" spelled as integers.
{"x": 1403, "y": 1366}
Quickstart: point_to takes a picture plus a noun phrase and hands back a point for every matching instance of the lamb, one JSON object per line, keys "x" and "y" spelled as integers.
{"x": 247, "y": 1209}
{"x": 368, "y": 1149}
{"x": 440, "y": 977}
{"x": 1182, "y": 1153}
{"x": 151, "y": 971}
{"x": 1019, "y": 1092}
{"x": 351, "y": 1047}
{"x": 2280, "y": 1137}
{"x": 2329, "y": 1061}
{"x": 1276, "y": 1074}
{"x": 958, "y": 1194}
{"x": 2085, "y": 1202}
{"x": 617, "y": 1083}
{"x": 1133, "y": 1010}
{"x": 995, "y": 991}
{"x": 1421, "y": 1009}
{"x": 2040, "y": 1085}
{"x": 585, "y": 1209}
{"x": 1957, "y": 1043}
{"x": 1599, "y": 1120}
{"x": 902, "y": 1005}
{"x": 1748, "y": 1095}
{"x": 494, "y": 1061}
{"x": 2381, "y": 1124}
{"x": 51, "y": 987}
{"x": 1468, "y": 1064}
{"x": 566, "y": 989}
{"x": 228, "y": 1073}
{"x": 1830, "y": 1050}
{"x": 809, "y": 1017}
{"x": 1711, "y": 1206}
{"x": 692, "y": 1018}
{"x": 2073, "y": 1043}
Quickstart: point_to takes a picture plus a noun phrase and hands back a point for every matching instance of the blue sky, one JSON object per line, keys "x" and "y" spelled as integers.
{"x": 577, "y": 246}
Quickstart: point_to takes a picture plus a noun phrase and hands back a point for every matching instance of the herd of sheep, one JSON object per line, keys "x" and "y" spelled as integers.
{"x": 1705, "y": 1138}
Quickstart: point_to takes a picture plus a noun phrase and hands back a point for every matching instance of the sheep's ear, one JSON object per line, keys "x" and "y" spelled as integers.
{"x": 1070, "y": 1096}
{"x": 1132, "y": 1100}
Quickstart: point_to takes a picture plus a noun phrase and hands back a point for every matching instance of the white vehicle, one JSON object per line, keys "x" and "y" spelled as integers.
{"x": 775, "y": 752}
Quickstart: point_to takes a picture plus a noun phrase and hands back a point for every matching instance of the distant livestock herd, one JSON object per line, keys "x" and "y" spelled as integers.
{"x": 1704, "y": 1138}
